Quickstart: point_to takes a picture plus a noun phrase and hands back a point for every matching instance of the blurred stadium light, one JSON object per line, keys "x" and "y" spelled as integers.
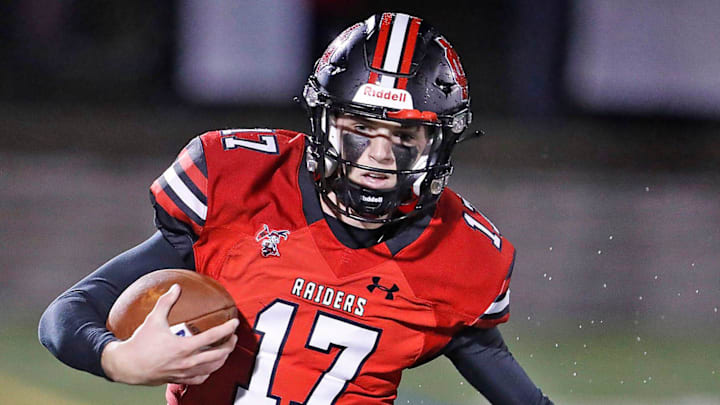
{"x": 646, "y": 56}
{"x": 244, "y": 52}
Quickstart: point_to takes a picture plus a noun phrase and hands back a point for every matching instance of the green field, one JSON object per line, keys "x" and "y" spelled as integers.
{"x": 580, "y": 368}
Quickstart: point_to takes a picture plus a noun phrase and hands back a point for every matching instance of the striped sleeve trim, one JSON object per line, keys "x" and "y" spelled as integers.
{"x": 499, "y": 311}
{"x": 499, "y": 308}
{"x": 181, "y": 190}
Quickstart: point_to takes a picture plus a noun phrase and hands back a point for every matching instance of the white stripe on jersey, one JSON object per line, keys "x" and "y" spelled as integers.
{"x": 394, "y": 49}
{"x": 498, "y": 306}
{"x": 184, "y": 193}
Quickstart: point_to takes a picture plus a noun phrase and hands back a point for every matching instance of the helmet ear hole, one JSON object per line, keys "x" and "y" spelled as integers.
{"x": 444, "y": 85}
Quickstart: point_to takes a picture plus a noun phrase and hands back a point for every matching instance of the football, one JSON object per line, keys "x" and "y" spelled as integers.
{"x": 203, "y": 303}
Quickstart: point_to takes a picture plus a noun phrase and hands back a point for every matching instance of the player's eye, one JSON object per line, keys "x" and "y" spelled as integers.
{"x": 406, "y": 138}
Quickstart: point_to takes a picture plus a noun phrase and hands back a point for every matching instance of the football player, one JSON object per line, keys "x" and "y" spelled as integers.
{"x": 342, "y": 247}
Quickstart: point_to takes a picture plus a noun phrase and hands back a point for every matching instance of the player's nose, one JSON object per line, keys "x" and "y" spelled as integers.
{"x": 380, "y": 150}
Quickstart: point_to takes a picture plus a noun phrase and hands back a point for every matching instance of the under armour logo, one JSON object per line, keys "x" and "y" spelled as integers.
{"x": 269, "y": 240}
{"x": 389, "y": 291}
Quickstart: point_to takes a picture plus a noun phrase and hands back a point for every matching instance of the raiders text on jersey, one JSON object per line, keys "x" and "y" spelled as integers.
{"x": 327, "y": 296}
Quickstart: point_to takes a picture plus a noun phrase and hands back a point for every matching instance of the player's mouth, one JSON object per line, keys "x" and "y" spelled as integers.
{"x": 376, "y": 180}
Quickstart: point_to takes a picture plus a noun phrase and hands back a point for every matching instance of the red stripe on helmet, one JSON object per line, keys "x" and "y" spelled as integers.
{"x": 380, "y": 46}
{"x": 409, "y": 51}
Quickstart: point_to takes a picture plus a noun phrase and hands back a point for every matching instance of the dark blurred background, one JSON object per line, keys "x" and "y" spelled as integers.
{"x": 601, "y": 159}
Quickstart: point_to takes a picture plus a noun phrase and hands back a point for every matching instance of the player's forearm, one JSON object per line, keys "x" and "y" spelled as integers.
{"x": 73, "y": 326}
{"x": 482, "y": 357}
{"x": 74, "y": 332}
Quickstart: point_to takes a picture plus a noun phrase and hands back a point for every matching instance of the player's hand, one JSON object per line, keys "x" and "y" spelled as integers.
{"x": 153, "y": 355}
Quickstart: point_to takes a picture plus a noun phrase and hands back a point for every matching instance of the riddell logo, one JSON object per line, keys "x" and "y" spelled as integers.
{"x": 385, "y": 94}
{"x": 385, "y": 97}
{"x": 372, "y": 199}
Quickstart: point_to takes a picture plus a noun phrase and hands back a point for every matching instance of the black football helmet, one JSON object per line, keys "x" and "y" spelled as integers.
{"x": 392, "y": 67}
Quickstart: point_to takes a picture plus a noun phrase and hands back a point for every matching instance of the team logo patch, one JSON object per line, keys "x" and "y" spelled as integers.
{"x": 389, "y": 292}
{"x": 269, "y": 240}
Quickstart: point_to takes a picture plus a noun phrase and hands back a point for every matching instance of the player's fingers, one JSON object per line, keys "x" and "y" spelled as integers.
{"x": 213, "y": 334}
{"x": 163, "y": 305}
{"x": 212, "y": 355}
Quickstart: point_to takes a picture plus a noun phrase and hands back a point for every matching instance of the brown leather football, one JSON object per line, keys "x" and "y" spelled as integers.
{"x": 203, "y": 303}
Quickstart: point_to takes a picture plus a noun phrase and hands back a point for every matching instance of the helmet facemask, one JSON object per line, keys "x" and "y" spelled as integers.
{"x": 374, "y": 168}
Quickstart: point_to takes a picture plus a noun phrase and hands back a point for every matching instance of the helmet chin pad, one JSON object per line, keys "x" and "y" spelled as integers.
{"x": 366, "y": 202}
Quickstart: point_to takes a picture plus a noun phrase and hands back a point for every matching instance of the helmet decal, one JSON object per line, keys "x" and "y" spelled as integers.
{"x": 336, "y": 44}
{"x": 454, "y": 61}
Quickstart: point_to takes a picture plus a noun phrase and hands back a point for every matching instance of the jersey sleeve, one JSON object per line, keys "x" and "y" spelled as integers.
{"x": 499, "y": 311}
{"x": 179, "y": 197}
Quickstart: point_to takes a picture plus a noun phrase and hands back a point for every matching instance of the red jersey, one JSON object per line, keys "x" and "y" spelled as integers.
{"x": 332, "y": 325}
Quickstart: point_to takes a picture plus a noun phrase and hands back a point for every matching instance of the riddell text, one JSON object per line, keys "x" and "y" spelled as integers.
{"x": 387, "y": 95}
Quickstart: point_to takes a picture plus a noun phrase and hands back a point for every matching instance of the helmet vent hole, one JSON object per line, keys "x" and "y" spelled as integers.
{"x": 444, "y": 86}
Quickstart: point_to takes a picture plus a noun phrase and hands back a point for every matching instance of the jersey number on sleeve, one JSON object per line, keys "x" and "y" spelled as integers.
{"x": 356, "y": 342}
{"x": 493, "y": 235}
{"x": 267, "y": 144}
